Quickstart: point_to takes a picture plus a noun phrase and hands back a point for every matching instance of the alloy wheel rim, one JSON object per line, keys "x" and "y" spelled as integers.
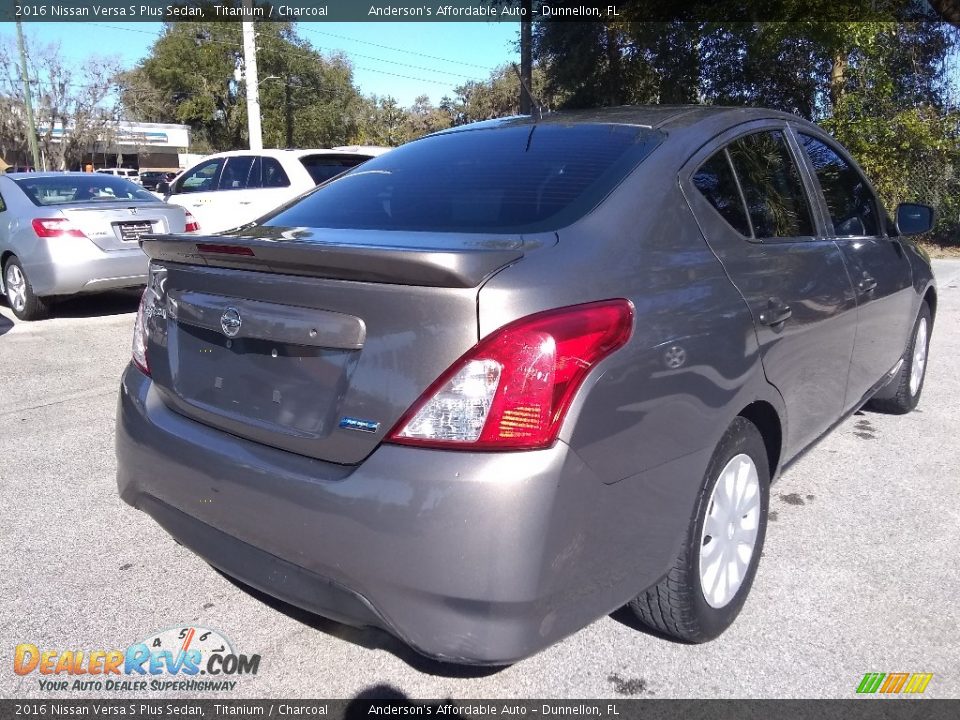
{"x": 16, "y": 288}
{"x": 919, "y": 357}
{"x": 730, "y": 528}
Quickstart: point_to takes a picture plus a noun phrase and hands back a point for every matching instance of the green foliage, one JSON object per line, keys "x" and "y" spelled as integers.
{"x": 879, "y": 84}
{"x": 497, "y": 96}
{"x": 193, "y": 75}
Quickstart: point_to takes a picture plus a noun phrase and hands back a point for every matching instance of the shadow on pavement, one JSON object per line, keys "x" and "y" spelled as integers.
{"x": 368, "y": 637}
{"x": 115, "y": 302}
{"x": 626, "y": 616}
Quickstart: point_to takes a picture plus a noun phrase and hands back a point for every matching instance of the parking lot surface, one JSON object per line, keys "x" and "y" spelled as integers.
{"x": 859, "y": 570}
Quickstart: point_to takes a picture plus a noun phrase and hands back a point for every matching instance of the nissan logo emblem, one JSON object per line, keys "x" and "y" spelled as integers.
{"x": 230, "y": 322}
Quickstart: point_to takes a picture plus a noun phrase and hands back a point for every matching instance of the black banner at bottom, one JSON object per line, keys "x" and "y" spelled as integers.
{"x": 619, "y": 709}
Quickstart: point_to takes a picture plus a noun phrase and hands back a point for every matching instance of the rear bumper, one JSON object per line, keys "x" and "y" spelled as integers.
{"x": 67, "y": 266}
{"x": 480, "y": 558}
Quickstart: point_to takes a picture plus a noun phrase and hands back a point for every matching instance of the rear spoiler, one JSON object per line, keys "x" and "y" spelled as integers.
{"x": 459, "y": 267}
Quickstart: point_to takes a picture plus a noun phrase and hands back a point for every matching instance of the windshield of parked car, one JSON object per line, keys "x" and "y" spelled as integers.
{"x": 518, "y": 178}
{"x": 80, "y": 188}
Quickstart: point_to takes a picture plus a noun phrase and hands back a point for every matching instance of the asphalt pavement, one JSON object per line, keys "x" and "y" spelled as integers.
{"x": 859, "y": 571}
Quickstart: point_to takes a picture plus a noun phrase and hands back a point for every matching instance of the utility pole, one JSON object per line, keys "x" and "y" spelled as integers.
{"x": 526, "y": 57}
{"x": 250, "y": 79}
{"x": 27, "y": 102}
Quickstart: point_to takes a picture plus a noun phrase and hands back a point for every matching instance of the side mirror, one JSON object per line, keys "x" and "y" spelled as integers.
{"x": 914, "y": 219}
{"x": 163, "y": 187}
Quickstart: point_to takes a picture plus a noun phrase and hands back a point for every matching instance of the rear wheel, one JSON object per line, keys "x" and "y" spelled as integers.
{"x": 25, "y": 304}
{"x": 903, "y": 393}
{"x": 705, "y": 589}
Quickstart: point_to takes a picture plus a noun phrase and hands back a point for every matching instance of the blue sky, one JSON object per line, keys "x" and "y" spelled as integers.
{"x": 399, "y": 58}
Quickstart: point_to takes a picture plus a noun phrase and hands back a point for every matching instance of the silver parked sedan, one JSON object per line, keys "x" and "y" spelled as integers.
{"x": 68, "y": 233}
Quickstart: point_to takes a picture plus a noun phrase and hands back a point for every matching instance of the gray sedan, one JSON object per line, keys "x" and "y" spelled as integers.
{"x": 507, "y": 378}
{"x": 68, "y": 233}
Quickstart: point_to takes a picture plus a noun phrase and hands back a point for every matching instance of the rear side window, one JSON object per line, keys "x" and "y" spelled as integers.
{"x": 852, "y": 206}
{"x": 716, "y": 183}
{"x": 3, "y": 205}
{"x": 324, "y": 167}
{"x": 266, "y": 172}
{"x": 273, "y": 175}
{"x": 507, "y": 178}
{"x": 236, "y": 172}
{"x": 776, "y": 201}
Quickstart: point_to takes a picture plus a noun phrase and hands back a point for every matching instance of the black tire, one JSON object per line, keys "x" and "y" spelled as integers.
{"x": 32, "y": 307}
{"x": 677, "y": 606}
{"x": 897, "y": 398}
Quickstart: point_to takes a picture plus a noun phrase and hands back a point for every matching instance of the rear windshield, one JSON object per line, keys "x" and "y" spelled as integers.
{"x": 521, "y": 178}
{"x": 90, "y": 187}
{"x": 324, "y": 167}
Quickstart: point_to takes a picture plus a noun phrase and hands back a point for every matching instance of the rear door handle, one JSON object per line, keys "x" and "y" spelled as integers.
{"x": 867, "y": 283}
{"x": 776, "y": 313}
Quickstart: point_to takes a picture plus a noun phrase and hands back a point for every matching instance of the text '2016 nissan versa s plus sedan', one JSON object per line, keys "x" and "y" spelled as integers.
{"x": 505, "y": 379}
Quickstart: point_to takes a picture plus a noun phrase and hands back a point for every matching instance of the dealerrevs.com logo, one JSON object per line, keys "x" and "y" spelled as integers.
{"x": 894, "y": 683}
{"x": 186, "y": 658}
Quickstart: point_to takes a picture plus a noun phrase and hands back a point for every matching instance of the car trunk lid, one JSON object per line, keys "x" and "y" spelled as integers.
{"x": 314, "y": 342}
{"x": 119, "y": 224}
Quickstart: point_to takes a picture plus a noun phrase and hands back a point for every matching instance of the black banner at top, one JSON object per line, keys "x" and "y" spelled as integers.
{"x": 608, "y": 11}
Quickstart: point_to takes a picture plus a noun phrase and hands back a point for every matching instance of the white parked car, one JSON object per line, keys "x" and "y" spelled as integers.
{"x": 229, "y": 189}
{"x": 126, "y": 173}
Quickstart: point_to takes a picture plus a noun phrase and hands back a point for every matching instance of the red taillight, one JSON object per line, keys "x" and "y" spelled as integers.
{"x": 513, "y": 389}
{"x": 140, "y": 332}
{"x": 55, "y": 227}
{"x": 191, "y": 222}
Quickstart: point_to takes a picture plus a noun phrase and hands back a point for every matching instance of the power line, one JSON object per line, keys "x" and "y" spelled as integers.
{"x": 406, "y": 77}
{"x": 395, "y": 49}
{"x": 415, "y": 67}
{"x": 348, "y": 53}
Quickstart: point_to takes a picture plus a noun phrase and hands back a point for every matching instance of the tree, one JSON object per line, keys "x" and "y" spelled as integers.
{"x": 194, "y": 75}
{"x": 75, "y": 107}
{"x": 876, "y": 78}
{"x": 384, "y": 122}
{"x": 497, "y": 96}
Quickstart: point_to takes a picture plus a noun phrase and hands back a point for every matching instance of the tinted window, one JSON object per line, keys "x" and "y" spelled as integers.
{"x": 852, "y": 206}
{"x": 512, "y": 178}
{"x": 716, "y": 183}
{"x": 3, "y": 205}
{"x": 235, "y": 173}
{"x": 89, "y": 187}
{"x": 771, "y": 184}
{"x": 324, "y": 167}
{"x": 202, "y": 178}
{"x": 273, "y": 175}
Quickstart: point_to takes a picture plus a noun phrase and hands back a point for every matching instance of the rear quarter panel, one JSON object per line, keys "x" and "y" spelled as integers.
{"x": 648, "y": 417}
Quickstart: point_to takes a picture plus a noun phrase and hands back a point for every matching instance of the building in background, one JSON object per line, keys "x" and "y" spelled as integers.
{"x": 141, "y": 146}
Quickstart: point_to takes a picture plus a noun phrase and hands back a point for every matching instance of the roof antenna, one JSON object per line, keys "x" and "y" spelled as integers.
{"x": 530, "y": 94}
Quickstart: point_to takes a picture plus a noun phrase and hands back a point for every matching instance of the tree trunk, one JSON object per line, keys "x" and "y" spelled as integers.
{"x": 526, "y": 58}
{"x": 614, "y": 78}
{"x": 288, "y": 114}
{"x": 838, "y": 77}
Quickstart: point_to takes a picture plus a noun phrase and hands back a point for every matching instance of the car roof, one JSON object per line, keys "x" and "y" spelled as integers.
{"x": 300, "y": 152}
{"x": 664, "y": 117}
{"x": 48, "y": 174}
